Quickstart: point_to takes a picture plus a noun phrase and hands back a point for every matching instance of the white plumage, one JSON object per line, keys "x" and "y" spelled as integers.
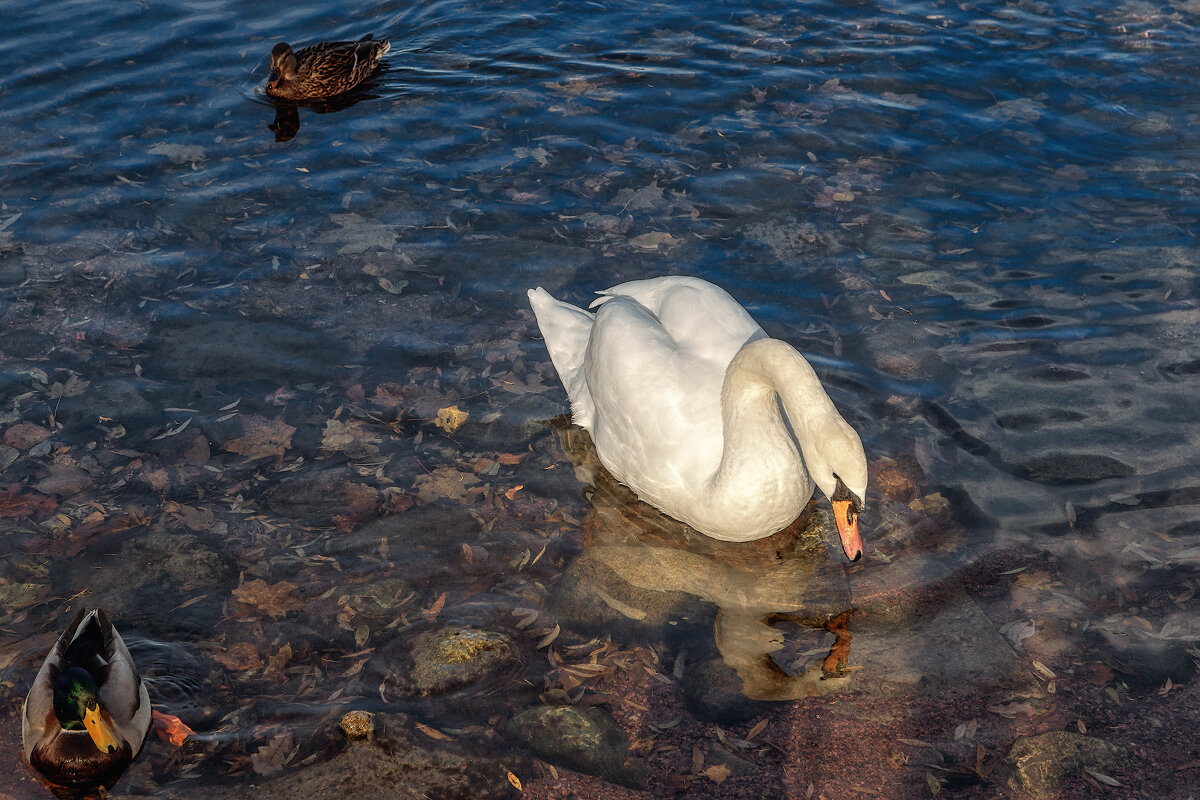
{"x": 696, "y": 409}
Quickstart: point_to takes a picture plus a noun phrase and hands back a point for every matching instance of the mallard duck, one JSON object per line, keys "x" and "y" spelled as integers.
{"x": 323, "y": 70}
{"x": 88, "y": 712}
{"x": 682, "y": 393}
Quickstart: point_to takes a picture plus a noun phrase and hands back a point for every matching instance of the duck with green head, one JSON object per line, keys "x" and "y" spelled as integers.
{"x": 88, "y": 713}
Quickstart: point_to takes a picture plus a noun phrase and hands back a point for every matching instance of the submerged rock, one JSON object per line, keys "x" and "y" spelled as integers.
{"x": 384, "y": 762}
{"x": 1066, "y": 469}
{"x": 448, "y": 658}
{"x": 1040, "y": 764}
{"x": 358, "y": 725}
{"x": 460, "y": 670}
{"x": 584, "y": 739}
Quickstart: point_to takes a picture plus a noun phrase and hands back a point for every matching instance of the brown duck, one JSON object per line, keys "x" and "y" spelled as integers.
{"x": 323, "y": 70}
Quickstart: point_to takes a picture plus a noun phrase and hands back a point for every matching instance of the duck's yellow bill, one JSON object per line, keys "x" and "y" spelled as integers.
{"x": 100, "y": 731}
{"x": 847, "y": 525}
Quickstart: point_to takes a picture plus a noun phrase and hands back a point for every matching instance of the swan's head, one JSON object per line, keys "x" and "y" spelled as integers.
{"x": 840, "y": 471}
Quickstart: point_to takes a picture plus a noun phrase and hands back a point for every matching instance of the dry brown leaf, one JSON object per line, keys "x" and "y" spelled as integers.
{"x": 197, "y": 519}
{"x": 437, "y": 606}
{"x": 349, "y": 438}
{"x": 279, "y": 659}
{"x": 717, "y": 773}
{"x": 13, "y": 503}
{"x": 275, "y": 600}
{"x": 511, "y": 493}
{"x": 388, "y": 395}
{"x": 433, "y": 733}
{"x": 654, "y": 240}
{"x": 361, "y": 503}
{"x": 757, "y": 729}
{"x": 447, "y": 483}
{"x": 272, "y": 757}
{"x": 241, "y": 657}
{"x": 261, "y": 437}
{"x": 451, "y": 418}
{"x": 156, "y": 477}
{"x": 1011, "y": 710}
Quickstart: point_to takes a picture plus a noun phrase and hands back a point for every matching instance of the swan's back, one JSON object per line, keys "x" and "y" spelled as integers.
{"x": 702, "y": 319}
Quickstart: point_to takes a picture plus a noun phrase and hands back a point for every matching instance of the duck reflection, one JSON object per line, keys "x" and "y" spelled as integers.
{"x": 287, "y": 112}
{"x": 794, "y": 575}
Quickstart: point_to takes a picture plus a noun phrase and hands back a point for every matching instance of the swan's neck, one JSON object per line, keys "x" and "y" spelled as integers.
{"x": 760, "y": 459}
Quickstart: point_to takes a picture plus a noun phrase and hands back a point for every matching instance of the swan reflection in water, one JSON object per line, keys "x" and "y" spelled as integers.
{"x": 795, "y": 575}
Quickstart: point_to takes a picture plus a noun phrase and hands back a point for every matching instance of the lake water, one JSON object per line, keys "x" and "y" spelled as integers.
{"x": 229, "y": 329}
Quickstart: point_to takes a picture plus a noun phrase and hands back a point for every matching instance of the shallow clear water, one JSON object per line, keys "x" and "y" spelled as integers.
{"x": 977, "y": 219}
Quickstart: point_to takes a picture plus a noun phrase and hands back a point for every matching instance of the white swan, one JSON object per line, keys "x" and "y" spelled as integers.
{"x": 682, "y": 391}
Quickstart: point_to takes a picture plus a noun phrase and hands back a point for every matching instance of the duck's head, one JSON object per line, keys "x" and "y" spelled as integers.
{"x": 283, "y": 65}
{"x": 77, "y": 708}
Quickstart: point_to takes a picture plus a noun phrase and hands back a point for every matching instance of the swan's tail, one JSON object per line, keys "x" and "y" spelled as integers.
{"x": 566, "y": 330}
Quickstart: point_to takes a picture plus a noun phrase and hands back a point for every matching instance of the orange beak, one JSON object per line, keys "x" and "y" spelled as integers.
{"x": 847, "y": 525}
{"x": 99, "y": 729}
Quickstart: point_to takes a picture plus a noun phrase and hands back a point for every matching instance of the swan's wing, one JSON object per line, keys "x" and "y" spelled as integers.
{"x": 702, "y": 319}
{"x": 657, "y": 423}
{"x": 566, "y": 330}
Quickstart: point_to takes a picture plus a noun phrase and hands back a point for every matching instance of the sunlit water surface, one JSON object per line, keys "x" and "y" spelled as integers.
{"x": 978, "y": 220}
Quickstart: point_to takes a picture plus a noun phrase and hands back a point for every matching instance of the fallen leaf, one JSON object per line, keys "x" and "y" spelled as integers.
{"x": 511, "y": 493}
{"x": 179, "y": 153}
{"x": 25, "y": 435}
{"x": 1011, "y": 710}
{"x": 433, "y": 733}
{"x": 271, "y": 758}
{"x": 647, "y": 198}
{"x": 196, "y": 519}
{"x": 349, "y": 438}
{"x": 654, "y": 240}
{"x": 14, "y": 503}
{"x": 279, "y": 659}
{"x": 357, "y": 234}
{"x": 515, "y": 781}
{"x": 261, "y": 437}
{"x": 275, "y": 600}
{"x": 361, "y": 503}
{"x": 1100, "y": 776}
{"x": 451, "y": 418}
{"x": 757, "y": 729}
{"x": 437, "y": 606}
{"x": 717, "y": 773}
{"x": 447, "y": 483}
{"x": 242, "y": 657}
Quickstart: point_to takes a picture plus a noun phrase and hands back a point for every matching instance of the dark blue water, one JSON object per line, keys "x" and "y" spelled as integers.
{"x": 978, "y": 220}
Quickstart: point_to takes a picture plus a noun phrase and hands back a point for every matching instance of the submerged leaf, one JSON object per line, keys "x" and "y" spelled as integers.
{"x": 275, "y": 600}
{"x": 262, "y": 437}
{"x": 272, "y": 757}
